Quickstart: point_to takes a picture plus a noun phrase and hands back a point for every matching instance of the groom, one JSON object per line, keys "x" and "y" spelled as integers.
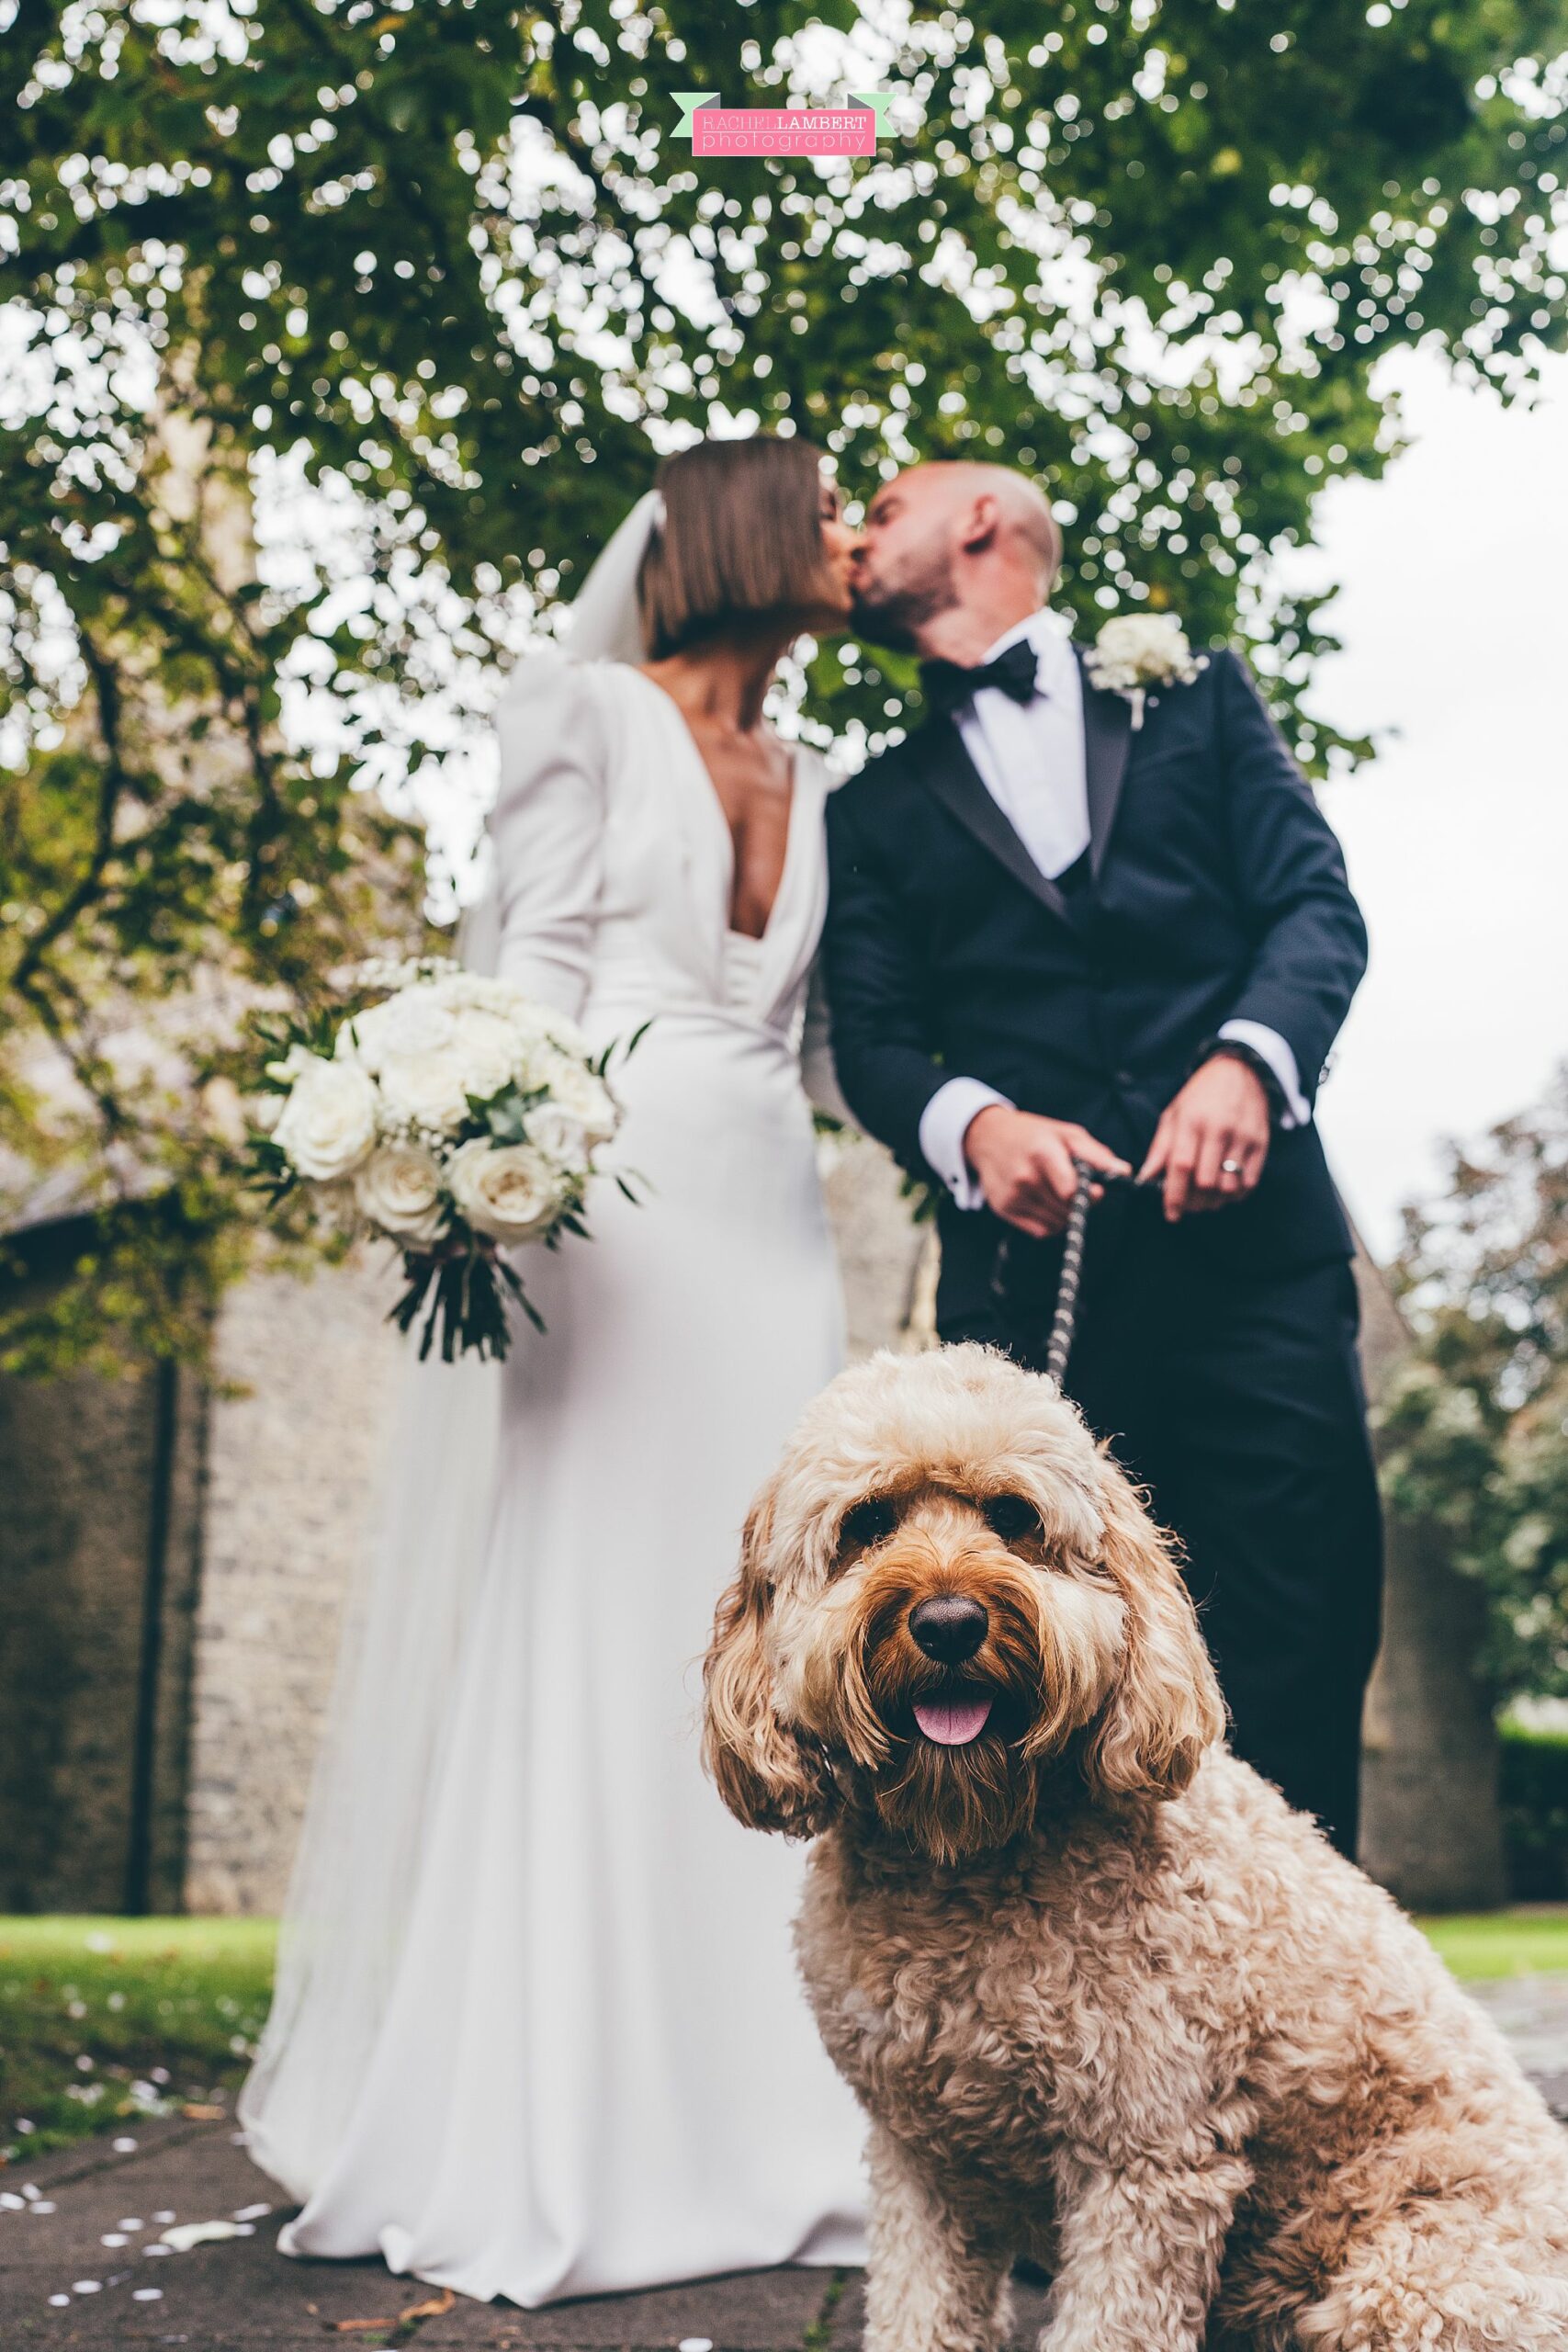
{"x": 1057, "y": 932}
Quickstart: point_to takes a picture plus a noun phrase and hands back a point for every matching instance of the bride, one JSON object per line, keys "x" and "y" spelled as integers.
{"x": 537, "y": 2031}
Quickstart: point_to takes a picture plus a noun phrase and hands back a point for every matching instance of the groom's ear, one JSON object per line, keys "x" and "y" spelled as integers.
{"x": 759, "y": 1766}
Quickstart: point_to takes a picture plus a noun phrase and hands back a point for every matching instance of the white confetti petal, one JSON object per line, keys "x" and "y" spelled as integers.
{"x": 157, "y": 2249}
{"x": 41, "y": 2205}
{"x": 11, "y": 2204}
{"x": 132, "y": 2225}
{"x": 147, "y": 2294}
{"x": 161, "y": 2218}
{"x": 114, "y": 2237}
{"x": 189, "y": 2234}
{"x": 85, "y": 2286}
{"x": 252, "y": 2212}
{"x": 126, "y": 2147}
{"x": 59, "y": 2300}
{"x": 695, "y": 2344}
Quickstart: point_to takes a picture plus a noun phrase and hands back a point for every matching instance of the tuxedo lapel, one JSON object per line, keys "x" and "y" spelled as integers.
{"x": 948, "y": 772}
{"x": 1107, "y": 736}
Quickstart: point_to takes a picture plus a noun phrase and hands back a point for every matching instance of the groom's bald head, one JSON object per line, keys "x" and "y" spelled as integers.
{"x": 950, "y": 541}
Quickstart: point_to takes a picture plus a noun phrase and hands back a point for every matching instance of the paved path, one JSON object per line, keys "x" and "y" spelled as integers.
{"x": 81, "y": 2263}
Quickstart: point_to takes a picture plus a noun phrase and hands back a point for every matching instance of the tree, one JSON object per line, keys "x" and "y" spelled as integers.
{"x": 1476, "y": 1427}
{"x": 446, "y": 267}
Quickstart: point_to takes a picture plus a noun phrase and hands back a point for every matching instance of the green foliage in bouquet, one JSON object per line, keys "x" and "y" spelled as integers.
{"x": 445, "y": 267}
{"x": 1476, "y": 1429}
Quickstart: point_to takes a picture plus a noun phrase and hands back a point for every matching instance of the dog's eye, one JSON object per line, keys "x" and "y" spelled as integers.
{"x": 869, "y": 1521}
{"x": 1012, "y": 1518}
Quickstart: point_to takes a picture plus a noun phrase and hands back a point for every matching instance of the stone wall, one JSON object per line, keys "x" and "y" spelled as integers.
{"x": 1431, "y": 1828}
{"x": 296, "y": 1453}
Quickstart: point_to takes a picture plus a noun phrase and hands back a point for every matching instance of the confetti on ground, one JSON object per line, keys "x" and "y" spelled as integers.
{"x": 695, "y": 2344}
{"x": 60, "y": 2300}
{"x": 185, "y": 2234}
{"x": 147, "y": 2294}
{"x": 247, "y": 2214}
{"x": 85, "y": 2286}
{"x": 125, "y": 2146}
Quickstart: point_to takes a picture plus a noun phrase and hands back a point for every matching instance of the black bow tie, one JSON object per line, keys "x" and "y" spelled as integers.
{"x": 947, "y": 686}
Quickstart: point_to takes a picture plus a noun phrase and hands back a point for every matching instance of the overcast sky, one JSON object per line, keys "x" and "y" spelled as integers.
{"x": 1454, "y": 616}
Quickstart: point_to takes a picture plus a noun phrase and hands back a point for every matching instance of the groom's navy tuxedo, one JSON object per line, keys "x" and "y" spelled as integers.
{"x": 1217, "y": 1354}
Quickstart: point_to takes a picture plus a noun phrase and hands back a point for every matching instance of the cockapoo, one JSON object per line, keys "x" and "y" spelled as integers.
{"x": 1108, "y": 2002}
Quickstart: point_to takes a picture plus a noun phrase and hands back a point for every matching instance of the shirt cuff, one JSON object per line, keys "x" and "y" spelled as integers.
{"x": 1271, "y": 1046}
{"x": 944, "y": 1123}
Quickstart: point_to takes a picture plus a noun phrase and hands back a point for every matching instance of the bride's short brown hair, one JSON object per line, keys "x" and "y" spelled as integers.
{"x": 741, "y": 536}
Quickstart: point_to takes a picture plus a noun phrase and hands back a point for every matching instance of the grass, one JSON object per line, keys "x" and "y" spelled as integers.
{"x": 105, "y": 2021}
{"x": 1530, "y": 1941}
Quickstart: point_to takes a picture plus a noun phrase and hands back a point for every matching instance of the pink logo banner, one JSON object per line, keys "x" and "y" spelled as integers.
{"x": 717, "y": 130}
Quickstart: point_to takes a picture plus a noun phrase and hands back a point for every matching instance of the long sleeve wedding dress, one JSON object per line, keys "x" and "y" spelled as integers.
{"x": 537, "y": 2031}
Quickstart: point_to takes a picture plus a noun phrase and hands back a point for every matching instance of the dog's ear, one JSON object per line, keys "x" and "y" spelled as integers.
{"x": 1166, "y": 1708}
{"x": 759, "y": 1766}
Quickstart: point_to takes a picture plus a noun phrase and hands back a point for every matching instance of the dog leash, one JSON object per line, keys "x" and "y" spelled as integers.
{"x": 1064, "y": 1322}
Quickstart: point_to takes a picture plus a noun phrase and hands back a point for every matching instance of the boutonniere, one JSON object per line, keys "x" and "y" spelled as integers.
{"x": 1137, "y": 651}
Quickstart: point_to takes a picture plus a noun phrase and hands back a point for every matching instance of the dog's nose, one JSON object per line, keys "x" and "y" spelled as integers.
{"x": 948, "y": 1626}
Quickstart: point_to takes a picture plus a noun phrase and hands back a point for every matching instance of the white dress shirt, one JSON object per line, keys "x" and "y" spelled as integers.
{"x": 1029, "y": 757}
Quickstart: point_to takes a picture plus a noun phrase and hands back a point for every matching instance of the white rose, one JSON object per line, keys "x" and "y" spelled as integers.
{"x": 489, "y": 1050}
{"x": 535, "y": 1022}
{"x": 587, "y": 1099}
{"x": 399, "y": 1189}
{"x": 413, "y": 1021}
{"x": 511, "y": 1193}
{"x": 1138, "y": 649}
{"x": 328, "y": 1125}
{"x": 555, "y": 1132}
{"x": 425, "y": 1090}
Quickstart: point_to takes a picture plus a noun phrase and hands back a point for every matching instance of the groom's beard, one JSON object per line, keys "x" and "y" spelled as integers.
{"x": 894, "y": 613}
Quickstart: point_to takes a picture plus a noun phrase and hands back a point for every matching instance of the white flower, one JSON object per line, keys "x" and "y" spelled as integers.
{"x": 414, "y": 1021}
{"x": 510, "y": 1192}
{"x": 490, "y": 1051}
{"x": 425, "y": 1090}
{"x": 1136, "y": 651}
{"x": 587, "y": 1099}
{"x": 328, "y": 1125}
{"x": 399, "y": 1189}
{"x": 554, "y": 1131}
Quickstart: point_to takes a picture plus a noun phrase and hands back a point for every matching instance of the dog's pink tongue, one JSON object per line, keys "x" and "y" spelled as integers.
{"x": 952, "y": 1722}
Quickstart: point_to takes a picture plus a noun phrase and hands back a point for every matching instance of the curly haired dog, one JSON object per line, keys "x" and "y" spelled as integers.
{"x": 1108, "y": 2002}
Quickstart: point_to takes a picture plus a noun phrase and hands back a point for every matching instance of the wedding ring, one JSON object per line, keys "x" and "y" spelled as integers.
{"x": 1230, "y": 1168}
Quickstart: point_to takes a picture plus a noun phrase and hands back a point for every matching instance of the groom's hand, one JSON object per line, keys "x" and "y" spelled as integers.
{"x": 1025, "y": 1165}
{"x": 1213, "y": 1140}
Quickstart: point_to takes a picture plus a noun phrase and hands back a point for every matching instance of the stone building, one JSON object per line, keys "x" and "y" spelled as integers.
{"x": 176, "y": 1554}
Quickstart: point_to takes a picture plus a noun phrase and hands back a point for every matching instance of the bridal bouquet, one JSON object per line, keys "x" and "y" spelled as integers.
{"x": 454, "y": 1117}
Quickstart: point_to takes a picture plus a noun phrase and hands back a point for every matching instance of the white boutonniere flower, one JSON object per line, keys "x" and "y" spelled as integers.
{"x": 1137, "y": 651}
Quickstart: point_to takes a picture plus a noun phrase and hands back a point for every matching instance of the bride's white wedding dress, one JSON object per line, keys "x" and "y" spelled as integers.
{"x": 538, "y": 2032}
